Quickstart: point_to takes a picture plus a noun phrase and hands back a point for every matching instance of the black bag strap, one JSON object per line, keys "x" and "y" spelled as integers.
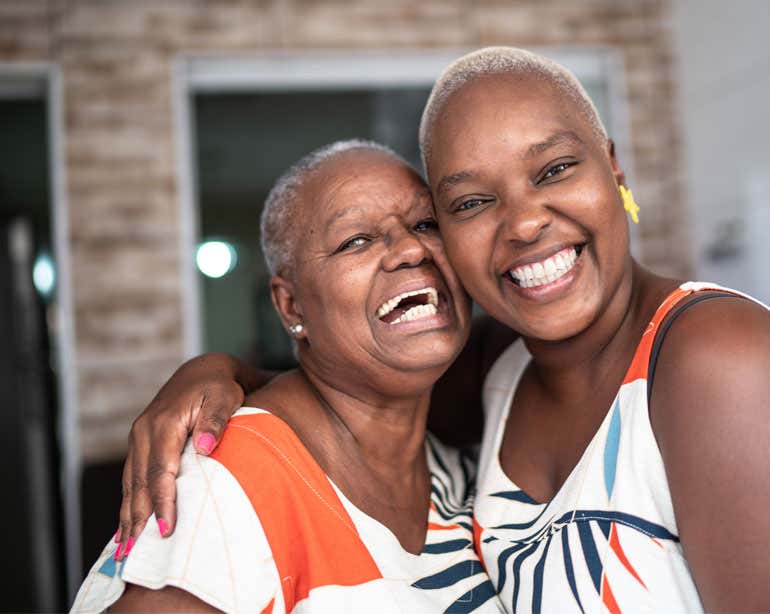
{"x": 664, "y": 329}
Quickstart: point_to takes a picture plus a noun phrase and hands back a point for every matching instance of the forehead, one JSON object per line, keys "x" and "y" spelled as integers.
{"x": 510, "y": 109}
{"x": 360, "y": 179}
{"x": 497, "y": 93}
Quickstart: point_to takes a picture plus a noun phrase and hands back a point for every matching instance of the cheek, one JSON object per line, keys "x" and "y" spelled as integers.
{"x": 609, "y": 221}
{"x": 465, "y": 248}
{"x": 333, "y": 294}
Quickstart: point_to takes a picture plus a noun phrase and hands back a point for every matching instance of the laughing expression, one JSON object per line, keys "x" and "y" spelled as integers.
{"x": 527, "y": 199}
{"x": 372, "y": 283}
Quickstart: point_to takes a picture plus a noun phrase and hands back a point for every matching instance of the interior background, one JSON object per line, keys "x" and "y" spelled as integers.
{"x": 93, "y": 155}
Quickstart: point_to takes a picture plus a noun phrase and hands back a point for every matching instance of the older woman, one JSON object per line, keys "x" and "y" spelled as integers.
{"x": 324, "y": 493}
{"x": 625, "y": 458}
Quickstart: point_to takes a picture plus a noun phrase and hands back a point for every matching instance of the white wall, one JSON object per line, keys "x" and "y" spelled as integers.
{"x": 724, "y": 74}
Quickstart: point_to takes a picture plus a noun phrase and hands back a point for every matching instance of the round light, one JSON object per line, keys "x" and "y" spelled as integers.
{"x": 43, "y": 274}
{"x": 215, "y": 258}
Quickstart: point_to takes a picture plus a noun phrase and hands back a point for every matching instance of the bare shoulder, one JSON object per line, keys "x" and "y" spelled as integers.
{"x": 710, "y": 412}
{"x": 280, "y": 395}
{"x": 712, "y": 370}
{"x": 168, "y": 599}
{"x": 289, "y": 397}
{"x": 722, "y": 343}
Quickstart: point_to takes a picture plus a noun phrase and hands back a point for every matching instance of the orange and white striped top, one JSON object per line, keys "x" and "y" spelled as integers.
{"x": 261, "y": 528}
{"x": 608, "y": 540}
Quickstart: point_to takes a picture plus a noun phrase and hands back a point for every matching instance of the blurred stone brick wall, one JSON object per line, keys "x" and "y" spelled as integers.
{"x": 121, "y": 181}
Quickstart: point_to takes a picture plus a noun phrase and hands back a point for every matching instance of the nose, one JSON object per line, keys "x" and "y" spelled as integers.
{"x": 525, "y": 218}
{"x": 405, "y": 249}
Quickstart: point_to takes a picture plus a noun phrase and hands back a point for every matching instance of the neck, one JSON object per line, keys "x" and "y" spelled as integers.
{"x": 594, "y": 356}
{"x": 387, "y": 433}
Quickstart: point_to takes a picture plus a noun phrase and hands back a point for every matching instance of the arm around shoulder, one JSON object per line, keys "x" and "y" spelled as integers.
{"x": 710, "y": 412}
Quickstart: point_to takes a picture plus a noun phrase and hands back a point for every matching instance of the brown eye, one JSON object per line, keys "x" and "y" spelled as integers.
{"x": 466, "y": 205}
{"x": 352, "y": 243}
{"x": 426, "y": 225}
{"x": 556, "y": 169}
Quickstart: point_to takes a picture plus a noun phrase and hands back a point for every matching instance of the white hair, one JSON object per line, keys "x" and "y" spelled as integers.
{"x": 279, "y": 215}
{"x": 497, "y": 60}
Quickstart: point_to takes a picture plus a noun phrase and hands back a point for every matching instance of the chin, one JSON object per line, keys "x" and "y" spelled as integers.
{"x": 558, "y": 325}
{"x": 552, "y": 334}
{"x": 437, "y": 356}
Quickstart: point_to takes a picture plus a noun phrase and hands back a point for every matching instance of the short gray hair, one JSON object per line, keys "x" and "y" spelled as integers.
{"x": 498, "y": 60}
{"x": 279, "y": 215}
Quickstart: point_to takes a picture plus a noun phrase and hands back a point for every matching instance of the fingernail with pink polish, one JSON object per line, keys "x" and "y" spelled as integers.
{"x": 116, "y": 539}
{"x": 129, "y": 545}
{"x": 162, "y": 527}
{"x": 117, "y": 552}
{"x": 205, "y": 442}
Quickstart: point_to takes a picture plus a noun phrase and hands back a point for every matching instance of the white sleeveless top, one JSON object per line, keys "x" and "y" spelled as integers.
{"x": 262, "y": 528}
{"x": 607, "y": 540}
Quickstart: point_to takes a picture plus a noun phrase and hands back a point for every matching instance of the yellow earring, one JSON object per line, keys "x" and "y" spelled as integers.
{"x": 629, "y": 204}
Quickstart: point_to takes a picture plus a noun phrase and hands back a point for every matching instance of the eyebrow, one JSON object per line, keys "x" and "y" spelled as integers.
{"x": 422, "y": 193}
{"x": 557, "y": 138}
{"x": 453, "y": 179}
{"x": 563, "y": 136}
{"x": 342, "y": 213}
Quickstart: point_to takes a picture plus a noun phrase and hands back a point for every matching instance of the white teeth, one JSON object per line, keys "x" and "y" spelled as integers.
{"x": 392, "y": 303}
{"x": 415, "y": 313}
{"x": 546, "y": 271}
{"x": 529, "y": 276}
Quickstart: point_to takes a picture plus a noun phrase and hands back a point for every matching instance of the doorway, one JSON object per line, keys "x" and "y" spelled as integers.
{"x": 33, "y": 518}
{"x": 244, "y": 142}
{"x": 243, "y": 121}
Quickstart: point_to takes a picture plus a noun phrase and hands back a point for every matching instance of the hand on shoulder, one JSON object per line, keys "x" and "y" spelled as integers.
{"x": 710, "y": 411}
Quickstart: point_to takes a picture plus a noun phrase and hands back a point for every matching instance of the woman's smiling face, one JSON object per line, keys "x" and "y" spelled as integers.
{"x": 527, "y": 200}
{"x": 371, "y": 280}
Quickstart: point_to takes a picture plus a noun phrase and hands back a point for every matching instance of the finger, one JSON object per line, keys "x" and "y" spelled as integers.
{"x": 124, "y": 532}
{"x": 135, "y": 484}
{"x": 162, "y": 472}
{"x": 217, "y": 407}
{"x": 141, "y": 506}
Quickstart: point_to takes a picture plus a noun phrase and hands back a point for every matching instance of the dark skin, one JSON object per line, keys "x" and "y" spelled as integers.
{"x": 169, "y": 599}
{"x": 523, "y": 175}
{"x": 359, "y": 401}
{"x": 542, "y": 198}
{"x": 517, "y": 172}
{"x": 549, "y": 397}
{"x": 203, "y": 393}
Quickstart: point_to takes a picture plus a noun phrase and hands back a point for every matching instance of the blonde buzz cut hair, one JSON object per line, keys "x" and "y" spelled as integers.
{"x": 503, "y": 60}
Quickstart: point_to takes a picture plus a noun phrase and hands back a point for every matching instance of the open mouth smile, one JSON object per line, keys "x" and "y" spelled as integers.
{"x": 408, "y": 306}
{"x": 546, "y": 271}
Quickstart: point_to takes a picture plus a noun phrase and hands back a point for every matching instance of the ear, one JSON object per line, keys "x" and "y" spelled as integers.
{"x": 620, "y": 176}
{"x": 284, "y": 299}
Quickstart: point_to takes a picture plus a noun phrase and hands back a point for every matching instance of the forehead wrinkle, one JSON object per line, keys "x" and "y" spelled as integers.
{"x": 342, "y": 213}
{"x": 327, "y": 194}
{"x": 419, "y": 193}
{"x": 423, "y": 193}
